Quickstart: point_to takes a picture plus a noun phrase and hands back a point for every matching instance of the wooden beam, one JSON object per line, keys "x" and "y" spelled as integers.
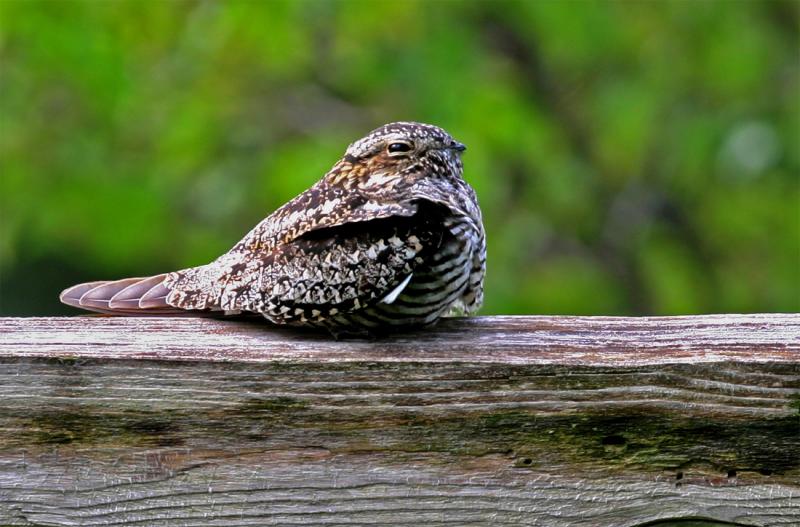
{"x": 556, "y": 421}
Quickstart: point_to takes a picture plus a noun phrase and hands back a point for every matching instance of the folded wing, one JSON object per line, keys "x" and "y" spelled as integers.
{"x": 320, "y": 273}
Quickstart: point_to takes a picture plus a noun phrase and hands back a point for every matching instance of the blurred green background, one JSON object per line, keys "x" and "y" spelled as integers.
{"x": 630, "y": 157}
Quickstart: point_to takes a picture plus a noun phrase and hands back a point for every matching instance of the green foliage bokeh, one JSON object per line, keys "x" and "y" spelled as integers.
{"x": 630, "y": 157}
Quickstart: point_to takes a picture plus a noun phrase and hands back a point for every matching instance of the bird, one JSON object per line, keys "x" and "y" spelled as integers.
{"x": 390, "y": 238}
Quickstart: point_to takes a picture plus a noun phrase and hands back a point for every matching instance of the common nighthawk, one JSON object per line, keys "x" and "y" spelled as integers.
{"x": 390, "y": 237}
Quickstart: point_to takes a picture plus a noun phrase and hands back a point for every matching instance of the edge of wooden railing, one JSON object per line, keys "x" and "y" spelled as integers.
{"x": 568, "y": 340}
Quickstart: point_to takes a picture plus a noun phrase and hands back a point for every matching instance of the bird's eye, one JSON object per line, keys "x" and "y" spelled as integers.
{"x": 399, "y": 148}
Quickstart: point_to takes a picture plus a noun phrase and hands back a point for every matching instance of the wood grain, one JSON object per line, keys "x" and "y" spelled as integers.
{"x": 554, "y": 421}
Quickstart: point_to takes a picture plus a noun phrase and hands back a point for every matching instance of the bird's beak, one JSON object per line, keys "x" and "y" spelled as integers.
{"x": 460, "y": 147}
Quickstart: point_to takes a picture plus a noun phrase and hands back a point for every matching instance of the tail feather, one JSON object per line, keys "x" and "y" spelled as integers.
{"x": 72, "y": 295}
{"x": 136, "y": 297}
{"x": 100, "y": 296}
{"x": 138, "y": 294}
{"x": 129, "y": 296}
{"x": 156, "y": 297}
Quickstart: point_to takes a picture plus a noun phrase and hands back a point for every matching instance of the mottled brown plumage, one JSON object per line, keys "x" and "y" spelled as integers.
{"x": 391, "y": 236}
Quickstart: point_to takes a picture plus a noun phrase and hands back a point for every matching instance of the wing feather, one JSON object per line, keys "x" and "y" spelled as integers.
{"x": 323, "y": 206}
{"x": 324, "y": 271}
{"x": 343, "y": 268}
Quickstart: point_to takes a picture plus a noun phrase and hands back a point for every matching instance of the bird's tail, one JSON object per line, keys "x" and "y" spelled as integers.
{"x": 129, "y": 296}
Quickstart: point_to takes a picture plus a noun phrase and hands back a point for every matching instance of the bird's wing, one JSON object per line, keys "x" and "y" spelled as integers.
{"x": 315, "y": 233}
{"x": 327, "y": 271}
{"x": 336, "y": 270}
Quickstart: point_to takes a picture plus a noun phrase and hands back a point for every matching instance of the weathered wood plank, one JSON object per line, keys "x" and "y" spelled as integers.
{"x": 587, "y": 341}
{"x": 489, "y": 421}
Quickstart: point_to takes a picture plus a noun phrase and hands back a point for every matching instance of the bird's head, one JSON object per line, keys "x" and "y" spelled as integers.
{"x": 401, "y": 152}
